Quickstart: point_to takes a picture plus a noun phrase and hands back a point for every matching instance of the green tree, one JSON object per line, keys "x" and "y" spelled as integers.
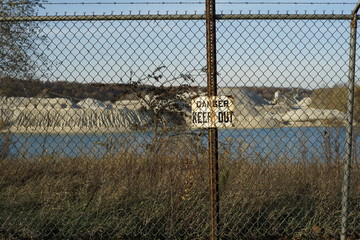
{"x": 20, "y": 54}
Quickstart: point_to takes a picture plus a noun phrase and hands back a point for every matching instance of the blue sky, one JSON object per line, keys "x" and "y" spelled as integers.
{"x": 307, "y": 54}
{"x": 181, "y": 8}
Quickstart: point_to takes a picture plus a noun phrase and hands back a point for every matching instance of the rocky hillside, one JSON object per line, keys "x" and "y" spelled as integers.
{"x": 35, "y": 104}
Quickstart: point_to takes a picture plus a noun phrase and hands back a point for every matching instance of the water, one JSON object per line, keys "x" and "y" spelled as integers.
{"x": 287, "y": 144}
{"x": 296, "y": 144}
{"x": 74, "y": 144}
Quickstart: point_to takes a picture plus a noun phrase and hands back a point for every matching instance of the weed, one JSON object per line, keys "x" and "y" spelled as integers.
{"x": 164, "y": 195}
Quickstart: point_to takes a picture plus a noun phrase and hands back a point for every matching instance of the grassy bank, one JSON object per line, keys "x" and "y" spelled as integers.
{"x": 164, "y": 195}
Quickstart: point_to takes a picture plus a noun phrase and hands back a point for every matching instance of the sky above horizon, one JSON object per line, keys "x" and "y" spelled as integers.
{"x": 288, "y": 53}
{"x": 181, "y": 6}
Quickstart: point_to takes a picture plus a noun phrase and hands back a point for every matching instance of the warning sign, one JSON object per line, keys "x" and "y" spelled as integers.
{"x": 217, "y": 111}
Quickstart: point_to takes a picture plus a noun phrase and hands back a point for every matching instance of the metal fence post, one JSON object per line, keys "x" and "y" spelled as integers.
{"x": 349, "y": 127}
{"x": 213, "y": 133}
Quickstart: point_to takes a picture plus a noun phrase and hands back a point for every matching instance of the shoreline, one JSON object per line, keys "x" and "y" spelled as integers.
{"x": 84, "y": 130}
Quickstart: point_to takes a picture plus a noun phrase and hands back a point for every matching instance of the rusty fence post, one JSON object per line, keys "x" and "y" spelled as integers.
{"x": 349, "y": 127}
{"x": 213, "y": 132}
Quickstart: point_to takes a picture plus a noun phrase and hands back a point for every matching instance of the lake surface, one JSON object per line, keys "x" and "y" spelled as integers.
{"x": 278, "y": 144}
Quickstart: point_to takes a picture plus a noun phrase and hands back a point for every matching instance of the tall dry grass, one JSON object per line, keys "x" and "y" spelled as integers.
{"x": 163, "y": 194}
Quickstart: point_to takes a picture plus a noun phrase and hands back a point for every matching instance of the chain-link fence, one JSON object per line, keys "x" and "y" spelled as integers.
{"x": 98, "y": 137}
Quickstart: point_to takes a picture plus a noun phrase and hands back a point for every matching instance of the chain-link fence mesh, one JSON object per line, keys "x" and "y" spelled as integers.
{"x": 97, "y": 138}
{"x": 283, "y": 172}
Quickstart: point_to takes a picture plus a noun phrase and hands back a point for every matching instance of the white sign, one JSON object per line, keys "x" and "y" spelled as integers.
{"x": 213, "y": 112}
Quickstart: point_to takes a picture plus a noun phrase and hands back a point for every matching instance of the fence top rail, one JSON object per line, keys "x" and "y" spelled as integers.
{"x": 180, "y": 17}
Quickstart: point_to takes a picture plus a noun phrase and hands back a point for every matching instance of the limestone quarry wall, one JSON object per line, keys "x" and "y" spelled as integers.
{"x": 251, "y": 111}
{"x": 30, "y": 112}
{"x": 91, "y": 118}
